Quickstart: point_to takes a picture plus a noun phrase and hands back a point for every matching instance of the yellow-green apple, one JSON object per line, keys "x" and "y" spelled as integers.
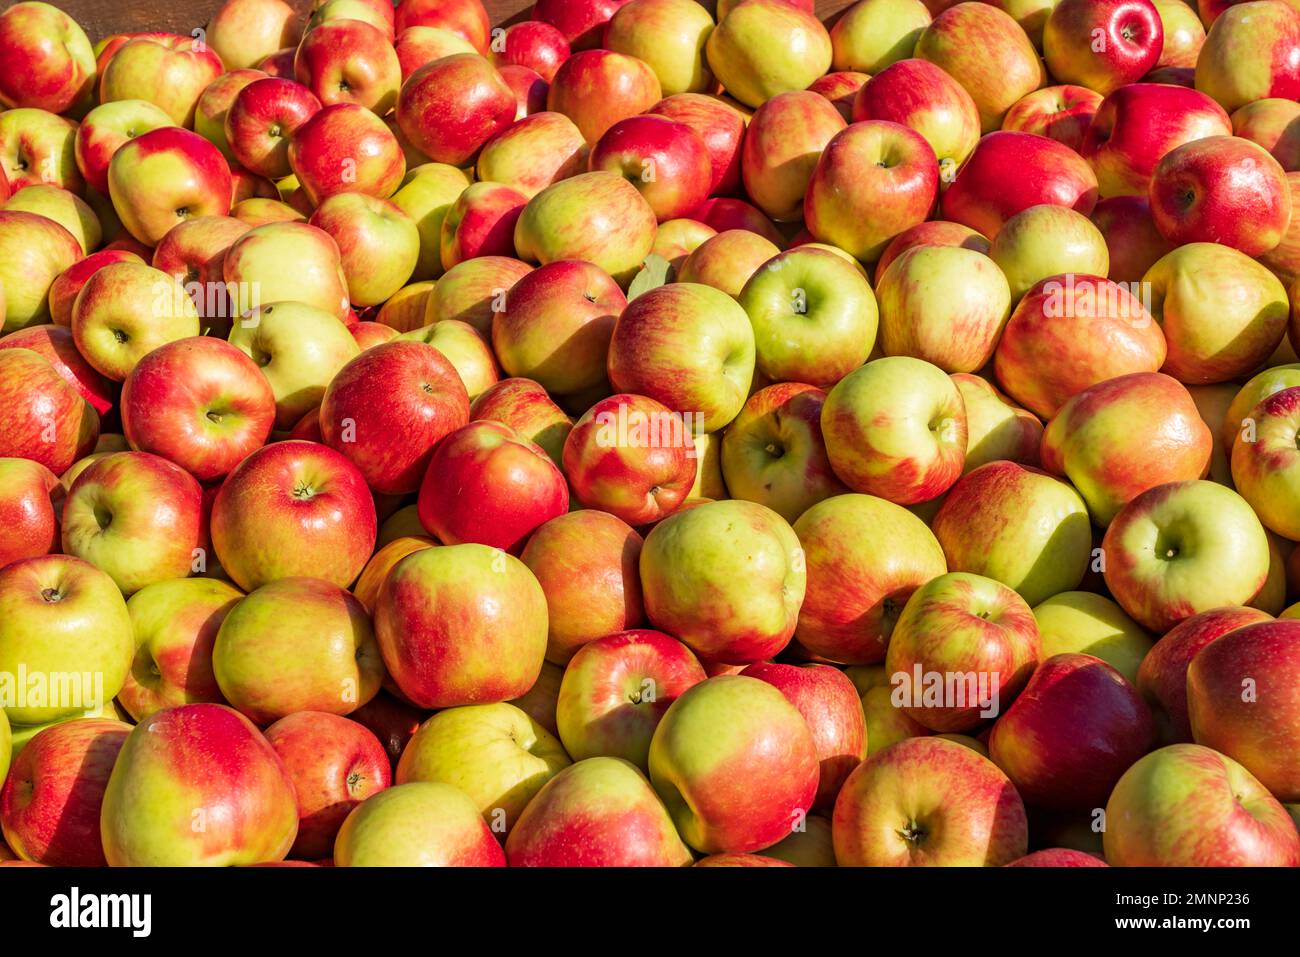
{"x": 766, "y": 47}
{"x": 1221, "y": 189}
{"x": 464, "y": 347}
{"x": 175, "y": 624}
{"x": 61, "y": 206}
{"x": 533, "y": 153}
{"x": 874, "y": 180}
{"x": 495, "y": 753}
{"x": 996, "y": 428}
{"x": 946, "y": 305}
{"x": 378, "y": 243}
{"x": 137, "y": 517}
{"x": 783, "y": 142}
{"x": 983, "y": 198}
{"x": 472, "y": 291}
{"x": 539, "y": 701}
{"x": 598, "y": 216}
{"x": 1062, "y": 113}
{"x": 1044, "y": 241}
{"x": 167, "y": 70}
{"x": 243, "y": 32}
{"x": 935, "y": 232}
{"x": 727, "y": 261}
{"x": 212, "y": 109}
{"x": 125, "y": 311}
{"x": 896, "y": 428}
{"x": 587, "y": 563}
{"x": 678, "y": 238}
{"x": 1162, "y": 676}
{"x": 920, "y": 95}
{"x": 724, "y": 213}
{"x": 632, "y": 457}
{"x": 200, "y": 403}
{"x": 426, "y": 195}
{"x": 421, "y": 824}
{"x": 262, "y": 120}
{"x": 468, "y": 18}
{"x": 599, "y": 812}
{"x": 381, "y": 563}
{"x": 51, "y": 802}
{"x": 1271, "y": 123}
{"x": 1070, "y": 333}
{"x": 296, "y": 644}
{"x": 63, "y": 291}
{"x": 665, "y": 160}
{"x": 46, "y": 420}
{"x": 1085, "y": 622}
{"x": 165, "y": 176}
{"x": 1242, "y": 701}
{"x": 873, "y": 34}
{"x": 346, "y": 148}
{"x": 1184, "y": 34}
{"x": 197, "y": 784}
{"x": 1189, "y": 806}
{"x": 1284, "y": 258}
{"x": 56, "y": 345}
{"x": 1018, "y": 526}
{"x": 597, "y": 88}
{"x": 291, "y": 509}
{"x": 1264, "y": 465}
{"x": 449, "y": 108}
{"x": 582, "y": 22}
{"x": 987, "y": 52}
{"x": 260, "y": 210}
{"x": 813, "y": 314}
{"x": 669, "y": 36}
{"x": 34, "y": 252}
{"x": 720, "y": 125}
{"x": 535, "y": 44}
{"x": 105, "y": 129}
{"x": 524, "y": 406}
{"x": 735, "y": 764}
{"x": 708, "y": 471}
{"x": 773, "y": 452}
{"x": 740, "y": 860}
{"x": 46, "y": 61}
{"x": 928, "y": 802}
{"x": 480, "y": 223}
{"x": 1182, "y": 548}
{"x": 1255, "y": 391}
{"x": 405, "y": 309}
{"x": 1222, "y": 314}
{"x": 725, "y": 577}
{"x": 334, "y": 764}
{"x": 528, "y": 88}
{"x": 38, "y": 147}
{"x": 841, "y": 89}
{"x": 1213, "y": 402}
{"x": 1133, "y": 243}
{"x": 30, "y": 508}
{"x": 810, "y": 847}
{"x": 1102, "y": 45}
{"x": 349, "y": 61}
{"x": 416, "y": 46}
{"x": 284, "y": 262}
{"x": 1251, "y": 52}
{"x": 461, "y": 624}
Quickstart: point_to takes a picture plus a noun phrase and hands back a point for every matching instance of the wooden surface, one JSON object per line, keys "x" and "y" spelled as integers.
{"x": 100, "y": 18}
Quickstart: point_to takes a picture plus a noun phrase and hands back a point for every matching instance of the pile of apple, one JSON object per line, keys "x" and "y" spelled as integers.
{"x": 652, "y": 434}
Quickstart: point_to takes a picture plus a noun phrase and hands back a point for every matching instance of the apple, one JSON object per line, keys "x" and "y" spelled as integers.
{"x": 346, "y": 148}
{"x": 279, "y": 63}
{"x": 215, "y": 790}
{"x": 387, "y": 554}
{"x": 1189, "y": 806}
{"x": 262, "y": 120}
{"x": 535, "y": 44}
{"x": 721, "y": 126}
{"x": 60, "y": 206}
{"x": 1102, "y": 45}
{"x": 426, "y": 195}
{"x": 481, "y": 608}
{"x": 1044, "y": 241}
{"x": 920, "y": 95}
{"x": 899, "y": 809}
{"x": 783, "y": 142}
{"x": 874, "y": 180}
{"x": 481, "y": 223}
{"x": 212, "y": 109}
{"x": 1270, "y": 123}
{"x": 841, "y": 89}
{"x": 55, "y": 344}
{"x": 665, "y": 160}
{"x": 349, "y": 61}
{"x": 1232, "y": 77}
{"x": 416, "y": 46}
{"x": 597, "y": 88}
{"x": 38, "y": 147}
{"x": 1263, "y": 466}
{"x": 934, "y": 232}
{"x": 494, "y": 753}
{"x": 727, "y": 261}
{"x": 985, "y": 51}
{"x": 582, "y": 22}
{"x": 1061, "y": 856}
{"x": 996, "y": 428}
{"x": 167, "y": 70}
{"x": 291, "y": 509}
{"x": 1062, "y": 113}
{"x": 896, "y": 428}
{"x": 467, "y": 18}
{"x": 733, "y": 600}
{"x": 766, "y": 47}
{"x": 46, "y": 420}
{"x": 51, "y": 801}
{"x": 534, "y": 153}
{"x": 464, "y": 347}
{"x": 46, "y": 61}
{"x": 874, "y": 34}
{"x": 528, "y": 88}
{"x": 34, "y": 252}
{"x": 449, "y": 108}
{"x": 378, "y": 243}
{"x": 1133, "y": 243}
{"x": 669, "y": 36}
{"x": 105, "y": 129}
{"x": 725, "y": 213}
{"x": 699, "y": 333}
{"x": 30, "y": 509}
{"x": 421, "y": 824}
{"x": 473, "y": 291}
{"x": 1085, "y": 622}
{"x": 525, "y": 406}
{"x": 1184, "y": 34}
{"x": 244, "y": 32}
{"x": 290, "y": 263}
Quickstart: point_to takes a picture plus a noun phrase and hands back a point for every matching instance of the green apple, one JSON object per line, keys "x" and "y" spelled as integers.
{"x": 286, "y": 262}
{"x": 996, "y": 428}
{"x": 766, "y": 47}
{"x": 875, "y": 33}
{"x": 1047, "y": 240}
{"x": 125, "y": 311}
{"x": 728, "y": 260}
{"x": 540, "y": 149}
{"x": 1083, "y": 622}
{"x": 421, "y": 824}
{"x": 669, "y": 36}
{"x": 34, "y": 251}
{"x": 426, "y": 194}
{"x": 67, "y": 209}
{"x": 465, "y": 349}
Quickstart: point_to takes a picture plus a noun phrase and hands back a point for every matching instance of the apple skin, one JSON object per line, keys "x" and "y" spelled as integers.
{"x": 1270, "y": 124}
{"x": 1062, "y": 113}
{"x": 535, "y": 44}
{"x": 290, "y": 509}
{"x": 669, "y": 36}
{"x": 1189, "y": 806}
{"x": 106, "y": 128}
{"x": 919, "y": 789}
{"x": 210, "y": 113}
{"x": 766, "y": 48}
{"x": 200, "y": 403}
{"x": 665, "y": 160}
{"x": 600, "y": 812}
{"x": 30, "y": 509}
{"x": 449, "y": 108}
{"x": 726, "y": 578}
{"x": 165, "y": 176}
{"x": 735, "y": 764}
{"x": 243, "y": 32}
{"x": 1224, "y": 562}
{"x": 872, "y": 36}
{"x": 783, "y": 142}
{"x": 1044, "y": 241}
{"x": 874, "y": 180}
{"x": 1132, "y": 240}
{"x": 582, "y": 22}
{"x": 996, "y": 428}
{"x": 1084, "y": 443}
{"x": 841, "y": 89}
{"x": 934, "y": 232}
{"x": 1226, "y": 71}
{"x": 197, "y": 759}
{"x": 535, "y": 152}
{"x": 51, "y": 801}
{"x": 421, "y": 824}
{"x": 346, "y": 148}
{"x": 587, "y": 564}
{"x": 56, "y": 345}
{"x": 722, "y": 128}
{"x": 1060, "y": 856}
{"x": 416, "y": 46}
{"x": 727, "y": 261}
{"x": 1229, "y": 679}
{"x": 194, "y": 254}
{"x": 1263, "y": 465}
{"x": 985, "y": 51}
{"x": 262, "y": 120}
{"x": 167, "y": 70}
{"x": 349, "y": 61}
{"x": 1130, "y": 34}
{"x": 980, "y": 196}
{"x": 920, "y": 95}
{"x": 725, "y": 213}
{"x": 46, "y": 61}
{"x": 468, "y": 18}
{"x": 334, "y": 764}
{"x": 426, "y": 194}
{"x": 1162, "y": 676}
{"x": 38, "y": 147}
{"x": 481, "y": 223}
{"x": 41, "y": 398}
{"x": 597, "y": 88}
{"x": 381, "y": 563}
{"x": 63, "y": 291}
{"x": 34, "y": 252}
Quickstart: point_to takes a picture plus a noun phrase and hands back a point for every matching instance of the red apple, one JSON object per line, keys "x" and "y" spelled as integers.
{"x": 536, "y": 44}
{"x": 535, "y": 152}
{"x": 45, "y": 419}
{"x": 481, "y": 223}
{"x": 581, "y": 21}
{"x": 1059, "y": 856}
{"x": 46, "y": 61}
{"x": 245, "y": 31}
{"x": 934, "y": 232}
{"x": 529, "y": 89}
{"x": 783, "y": 142}
{"x": 263, "y": 119}
{"x": 164, "y": 177}
{"x": 449, "y": 108}
{"x": 920, "y": 95}
{"x": 105, "y": 129}
{"x": 841, "y": 89}
{"x": 1102, "y": 44}
{"x": 346, "y": 148}
{"x": 663, "y": 159}
{"x": 597, "y": 88}
{"x": 1061, "y": 113}
{"x": 722, "y": 128}
{"x": 467, "y": 18}
{"x": 164, "y": 69}
{"x": 524, "y": 405}
{"x": 31, "y": 501}
{"x": 57, "y": 346}
{"x": 349, "y": 61}
{"x": 724, "y": 214}
{"x": 1133, "y": 243}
